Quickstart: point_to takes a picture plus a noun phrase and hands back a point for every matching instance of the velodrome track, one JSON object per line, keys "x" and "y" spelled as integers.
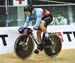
{"x": 65, "y": 56}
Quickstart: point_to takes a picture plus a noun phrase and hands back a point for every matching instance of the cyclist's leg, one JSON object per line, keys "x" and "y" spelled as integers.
{"x": 39, "y": 36}
{"x": 43, "y": 26}
{"x": 39, "y": 46}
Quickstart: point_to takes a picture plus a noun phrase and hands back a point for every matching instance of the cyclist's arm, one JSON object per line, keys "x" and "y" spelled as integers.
{"x": 26, "y": 24}
{"x": 38, "y": 18}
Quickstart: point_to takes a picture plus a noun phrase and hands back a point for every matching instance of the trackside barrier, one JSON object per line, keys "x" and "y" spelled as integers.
{"x": 8, "y": 36}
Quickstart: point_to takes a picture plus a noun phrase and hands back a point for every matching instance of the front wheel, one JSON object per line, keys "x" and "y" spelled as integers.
{"x": 23, "y": 46}
{"x": 54, "y": 38}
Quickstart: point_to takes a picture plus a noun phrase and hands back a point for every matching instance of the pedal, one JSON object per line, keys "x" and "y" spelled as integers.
{"x": 48, "y": 41}
{"x": 40, "y": 47}
{"x": 36, "y": 51}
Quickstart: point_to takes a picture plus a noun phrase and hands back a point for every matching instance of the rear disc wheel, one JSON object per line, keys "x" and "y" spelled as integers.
{"x": 48, "y": 50}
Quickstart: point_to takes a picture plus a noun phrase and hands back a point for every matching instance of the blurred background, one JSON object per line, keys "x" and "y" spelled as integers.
{"x": 11, "y": 15}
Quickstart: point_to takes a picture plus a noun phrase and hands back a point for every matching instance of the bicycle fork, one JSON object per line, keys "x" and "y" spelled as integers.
{"x": 34, "y": 40}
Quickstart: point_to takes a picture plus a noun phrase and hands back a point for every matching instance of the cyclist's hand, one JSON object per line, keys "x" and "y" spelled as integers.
{"x": 21, "y": 29}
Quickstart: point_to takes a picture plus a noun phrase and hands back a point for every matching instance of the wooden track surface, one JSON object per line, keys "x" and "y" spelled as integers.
{"x": 65, "y": 56}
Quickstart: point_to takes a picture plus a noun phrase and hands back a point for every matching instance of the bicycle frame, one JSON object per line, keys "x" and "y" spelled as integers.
{"x": 29, "y": 33}
{"x": 34, "y": 40}
{"x": 27, "y": 39}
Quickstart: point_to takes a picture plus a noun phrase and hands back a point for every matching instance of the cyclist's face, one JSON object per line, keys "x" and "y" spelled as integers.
{"x": 27, "y": 13}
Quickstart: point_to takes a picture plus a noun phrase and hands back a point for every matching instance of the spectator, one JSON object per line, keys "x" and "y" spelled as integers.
{"x": 60, "y": 20}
